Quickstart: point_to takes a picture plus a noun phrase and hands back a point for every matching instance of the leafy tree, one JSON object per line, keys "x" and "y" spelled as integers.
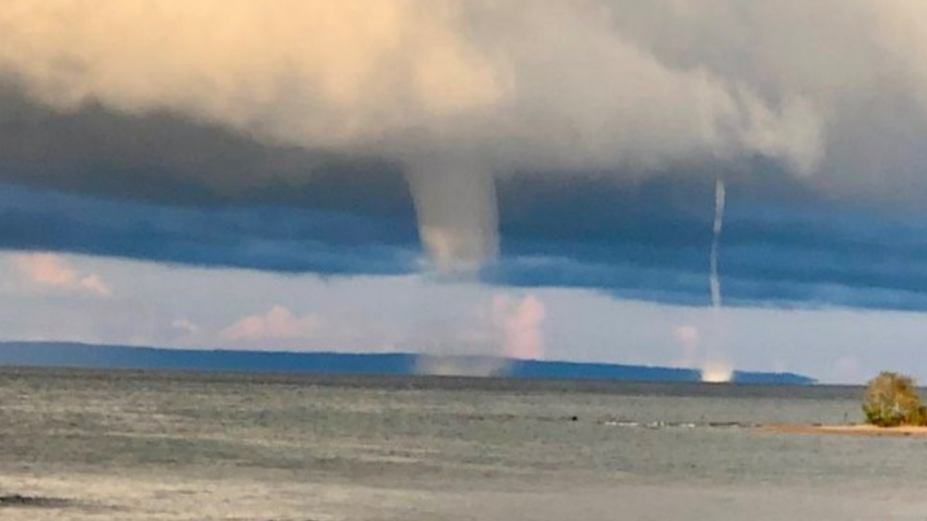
{"x": 891, "y": 400}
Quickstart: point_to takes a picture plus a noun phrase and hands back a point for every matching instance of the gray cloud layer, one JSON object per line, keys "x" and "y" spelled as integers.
{"x": 515, "y": 84}
{"x": 648, "y": 241}
{"x": 231, "y": 96}
{"x": 430, "y": 85}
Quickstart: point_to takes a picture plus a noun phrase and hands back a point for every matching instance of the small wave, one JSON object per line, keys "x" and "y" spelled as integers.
{"x": 615, "y": 423}
{"x": 655, "y": 425}
{"x": 17, "y": 500}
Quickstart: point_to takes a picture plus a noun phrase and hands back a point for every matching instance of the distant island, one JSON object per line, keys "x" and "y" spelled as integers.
{"x": 76, "y": 355}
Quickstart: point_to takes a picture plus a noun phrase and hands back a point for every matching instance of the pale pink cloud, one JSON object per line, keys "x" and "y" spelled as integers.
{"x": 277, "y": 323}
{"x": 688, "y": 337}
{"x": 520, "y": 322}
{"x": 48, "y": 269}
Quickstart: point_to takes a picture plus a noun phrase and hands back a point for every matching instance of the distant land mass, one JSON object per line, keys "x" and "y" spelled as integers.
{"x": 87, "y": 356}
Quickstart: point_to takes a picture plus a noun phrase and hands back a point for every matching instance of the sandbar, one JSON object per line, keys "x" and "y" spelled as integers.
{"x": 849, "y": 430}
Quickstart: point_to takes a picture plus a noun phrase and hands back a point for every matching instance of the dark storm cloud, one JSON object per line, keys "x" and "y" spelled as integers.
{"x": 257, "y": 237}
{"x": 162, "y": 188}
{"x": 648, "y": 240}
{"x": 168, "y": 159}
{"x": 782, "y": 245}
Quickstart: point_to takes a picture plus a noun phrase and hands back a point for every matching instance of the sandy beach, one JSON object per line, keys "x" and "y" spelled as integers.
{"x": 848, "y": 430}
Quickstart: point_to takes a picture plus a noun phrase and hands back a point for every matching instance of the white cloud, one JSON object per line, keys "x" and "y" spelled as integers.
{"x": 94, "y": 284}
{"x": 186, "y": 326}
{"x": 50, "y": 270}
{"x": 277, "y": 324}
{"x": 557, "y": 84}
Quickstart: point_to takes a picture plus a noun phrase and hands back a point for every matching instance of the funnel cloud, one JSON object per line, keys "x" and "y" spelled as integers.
{"x": 457, "y": 218}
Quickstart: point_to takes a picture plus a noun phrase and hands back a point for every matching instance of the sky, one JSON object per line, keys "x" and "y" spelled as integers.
{"x": 526, "y": 179}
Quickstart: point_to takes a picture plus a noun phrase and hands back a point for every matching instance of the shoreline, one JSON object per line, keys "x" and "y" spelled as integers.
{"x": 846, "y": 430}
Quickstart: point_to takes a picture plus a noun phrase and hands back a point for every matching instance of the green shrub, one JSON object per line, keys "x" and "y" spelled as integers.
{"x": 891, "y": 400}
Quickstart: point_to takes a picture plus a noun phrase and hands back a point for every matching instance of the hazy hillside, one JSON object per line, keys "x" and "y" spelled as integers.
{"x": 61, "y": 354}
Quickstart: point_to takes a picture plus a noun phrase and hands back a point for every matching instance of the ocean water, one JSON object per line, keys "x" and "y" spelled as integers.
{"x": 130, "y": 446}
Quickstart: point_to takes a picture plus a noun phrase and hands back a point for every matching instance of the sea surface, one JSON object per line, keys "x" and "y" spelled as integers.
{"x": 159, "y": 446}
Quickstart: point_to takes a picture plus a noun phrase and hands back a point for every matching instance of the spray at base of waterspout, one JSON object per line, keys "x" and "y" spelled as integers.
{"x": 717, "y": 372}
